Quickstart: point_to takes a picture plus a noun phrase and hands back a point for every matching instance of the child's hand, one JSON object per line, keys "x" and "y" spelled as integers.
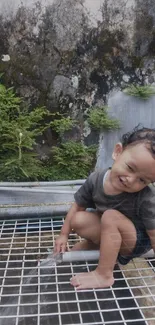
{"x": 60, "y": 244}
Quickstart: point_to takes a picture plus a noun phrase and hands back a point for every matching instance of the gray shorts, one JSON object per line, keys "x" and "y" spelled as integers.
{"x": 143, "y": 245}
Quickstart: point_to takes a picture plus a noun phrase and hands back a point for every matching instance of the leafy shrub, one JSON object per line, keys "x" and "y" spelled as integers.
{"x": 29, "y": 169}
{"x": 18, "y": 130}
{"x": 98, "y": 119}
{"x": 71, "y": 160}
{"x": 63, "y": 124}
{"x": 144, "y": 92}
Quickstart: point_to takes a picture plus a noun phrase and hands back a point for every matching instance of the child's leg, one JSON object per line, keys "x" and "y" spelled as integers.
{"x": 87, "y": 225}
{"x": 117, "y": 234}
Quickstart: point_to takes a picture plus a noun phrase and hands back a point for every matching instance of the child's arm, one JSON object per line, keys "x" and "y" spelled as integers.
{"x": 61, "y": 241}
{"x": 151, "y": 234}
{"x": 66, "y": 228}
{"x": 83, "y": 200}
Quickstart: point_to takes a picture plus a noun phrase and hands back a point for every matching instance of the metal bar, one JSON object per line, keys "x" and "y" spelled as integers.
{"x": 21, "y": 281}
{"x": 36, "y": 190}
{"x": 39, "y": 184}
{"x": 57, "y": 294}
{"x": 7, "y": 262}
{"x": 22, "y": 256}
{"x": 38, "y": 317}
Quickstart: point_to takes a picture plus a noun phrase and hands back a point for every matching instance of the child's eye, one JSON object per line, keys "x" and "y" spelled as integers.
{"x": 129, "y": 167}
{"x": 142, "y": 181}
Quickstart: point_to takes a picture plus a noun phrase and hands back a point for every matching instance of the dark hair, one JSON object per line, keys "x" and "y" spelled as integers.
{"x": 143, "y": 135}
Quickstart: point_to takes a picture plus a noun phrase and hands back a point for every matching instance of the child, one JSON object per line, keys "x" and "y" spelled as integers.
{"x": 123, "y": 222}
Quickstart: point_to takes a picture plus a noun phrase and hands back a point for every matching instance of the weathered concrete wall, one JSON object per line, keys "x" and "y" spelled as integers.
{"x": 70, "y": 54}
{"x": 130, "y": 111}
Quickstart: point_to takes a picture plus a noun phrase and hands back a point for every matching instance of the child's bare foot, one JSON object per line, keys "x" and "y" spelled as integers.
{"x": 91, "y": 280}
{"x": 84, "y": 245}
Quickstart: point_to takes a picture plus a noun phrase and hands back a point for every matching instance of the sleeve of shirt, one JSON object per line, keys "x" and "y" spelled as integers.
{"x": 84, "y": 196}
{"x": 147, "y": 208}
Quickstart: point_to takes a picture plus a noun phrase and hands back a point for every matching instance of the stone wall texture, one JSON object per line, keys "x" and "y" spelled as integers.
{"x": 70, "y": 55}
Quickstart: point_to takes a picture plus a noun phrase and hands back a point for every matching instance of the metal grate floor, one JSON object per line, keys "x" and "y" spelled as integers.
{"x": 32, "y": 292}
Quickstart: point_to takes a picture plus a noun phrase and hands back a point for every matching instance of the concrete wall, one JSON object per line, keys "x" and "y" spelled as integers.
{"x": 130, "y": 111}
{"x": 70, "y": 55}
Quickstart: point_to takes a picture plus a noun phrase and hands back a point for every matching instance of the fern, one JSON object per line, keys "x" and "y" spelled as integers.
{"x": 18, "y": 131}
{"x": 98, "y": 119}
{"x": 143, "y": 92}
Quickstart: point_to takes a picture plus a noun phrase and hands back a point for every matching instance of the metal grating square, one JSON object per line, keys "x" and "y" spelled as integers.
{"x": 34, "y": 292}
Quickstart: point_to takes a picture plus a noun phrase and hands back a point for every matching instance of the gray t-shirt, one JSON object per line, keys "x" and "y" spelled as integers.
{"x": 139, "y": 207}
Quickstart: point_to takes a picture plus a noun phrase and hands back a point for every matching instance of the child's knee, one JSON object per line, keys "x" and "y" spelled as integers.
{"x": 77, "y": 220}
{"x": 110, "y": 217}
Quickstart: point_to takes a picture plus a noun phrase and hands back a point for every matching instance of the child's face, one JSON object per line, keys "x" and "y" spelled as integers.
{"x": 133, "y": 168}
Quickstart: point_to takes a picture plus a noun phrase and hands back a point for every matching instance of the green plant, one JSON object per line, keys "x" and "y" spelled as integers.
{"x": 29, "y": 168}
{"x": 144, "y": 92}
{"x": 98, "y": 119}
{"x": 18, "y": 131}
{"x": 72, "y": 160}
{"x": 63, "y": 124}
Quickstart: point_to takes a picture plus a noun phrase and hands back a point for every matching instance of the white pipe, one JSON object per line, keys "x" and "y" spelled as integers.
{"x": 149, "y": 254}
{"x": 40, "y": 184}
{"x": 74, "y": 256}
{"x": 80, "y": 256}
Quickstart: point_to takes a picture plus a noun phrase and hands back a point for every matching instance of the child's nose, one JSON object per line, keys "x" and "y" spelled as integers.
{"x": 131, "y": 179}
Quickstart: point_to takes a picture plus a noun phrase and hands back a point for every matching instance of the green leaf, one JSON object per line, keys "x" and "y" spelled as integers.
{"x": 9, "y": 162}
{"x": 23, "y": 171}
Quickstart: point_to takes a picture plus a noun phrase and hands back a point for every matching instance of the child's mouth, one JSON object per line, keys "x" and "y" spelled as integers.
{"x": 121, "y": 181}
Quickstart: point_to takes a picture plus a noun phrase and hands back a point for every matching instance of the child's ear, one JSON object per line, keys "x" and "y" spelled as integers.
{"x": 118, "y": 149}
